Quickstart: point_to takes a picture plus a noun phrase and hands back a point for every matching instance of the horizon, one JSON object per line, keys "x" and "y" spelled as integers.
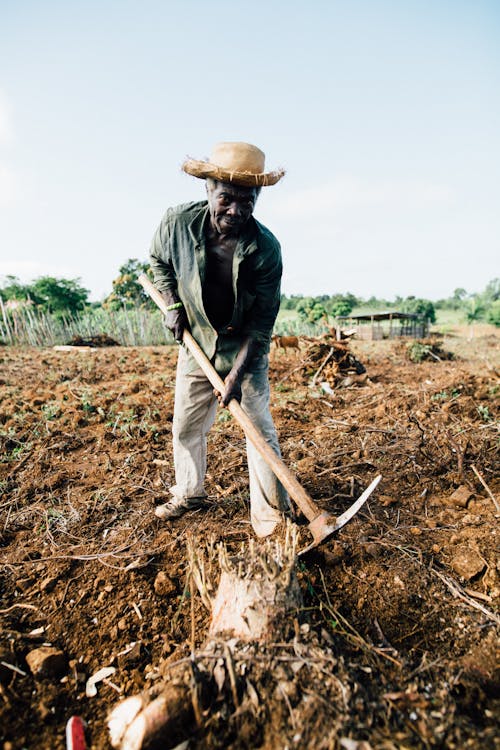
{"x": 361, "y": 300}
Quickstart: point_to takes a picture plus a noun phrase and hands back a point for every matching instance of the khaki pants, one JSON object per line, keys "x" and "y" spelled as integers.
{"x": 194, "y": 414}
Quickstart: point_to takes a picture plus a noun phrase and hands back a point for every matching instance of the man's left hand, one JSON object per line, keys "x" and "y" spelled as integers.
{"x": 232, "y": 390}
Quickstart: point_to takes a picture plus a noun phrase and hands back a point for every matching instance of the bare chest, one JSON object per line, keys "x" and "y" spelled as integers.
{"x": 219, "y": 263}
{"x": 218, "y": 295}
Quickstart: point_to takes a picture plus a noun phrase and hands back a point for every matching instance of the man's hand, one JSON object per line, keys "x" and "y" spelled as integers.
{"x": 233, "y": 380}
{"x": 176, "y": 321}
{"x": 232, "y": 390}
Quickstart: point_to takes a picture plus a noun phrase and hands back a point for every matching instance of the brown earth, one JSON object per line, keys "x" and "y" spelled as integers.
{"x": 397, "y": 644}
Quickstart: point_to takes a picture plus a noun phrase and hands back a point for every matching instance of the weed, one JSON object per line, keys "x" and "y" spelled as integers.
{"x": 86, "y": 402}
{"x": 12, "y": 447}
{"x": 484, "y": 413}
{"x": 281, "y": 388}
{"x": 223, "y": 416}
{"x": 128, "y": 422}
{"x": 50, "y": 410}
{"x": 445, "y": 395}
{"x": 417, "y": 351}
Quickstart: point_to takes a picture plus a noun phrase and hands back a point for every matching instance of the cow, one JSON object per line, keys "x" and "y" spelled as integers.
{"x": 286, "y": 342}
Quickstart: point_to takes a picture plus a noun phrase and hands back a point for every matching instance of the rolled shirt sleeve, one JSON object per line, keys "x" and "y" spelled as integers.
{"x": 161, "y": 257}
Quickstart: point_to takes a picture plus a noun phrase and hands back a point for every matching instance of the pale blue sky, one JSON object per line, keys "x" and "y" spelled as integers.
{"x": 385, "y": 115}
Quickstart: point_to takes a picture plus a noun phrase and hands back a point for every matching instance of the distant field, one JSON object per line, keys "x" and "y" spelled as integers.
{"x": 444, "y": 318}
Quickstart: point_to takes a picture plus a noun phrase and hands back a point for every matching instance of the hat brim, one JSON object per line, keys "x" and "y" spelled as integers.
{"x": 204, "y": 169}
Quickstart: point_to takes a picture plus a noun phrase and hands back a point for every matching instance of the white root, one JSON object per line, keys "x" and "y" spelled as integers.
{"x": 122, "y": 715}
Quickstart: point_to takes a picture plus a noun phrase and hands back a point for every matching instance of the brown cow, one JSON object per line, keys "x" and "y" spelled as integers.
{"x": 286, "y": 342}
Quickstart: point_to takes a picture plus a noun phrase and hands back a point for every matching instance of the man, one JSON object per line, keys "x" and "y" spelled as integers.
{"x": 219, "y": 271}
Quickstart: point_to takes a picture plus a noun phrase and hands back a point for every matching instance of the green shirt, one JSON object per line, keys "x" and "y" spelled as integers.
{"x": 178, "y": 261}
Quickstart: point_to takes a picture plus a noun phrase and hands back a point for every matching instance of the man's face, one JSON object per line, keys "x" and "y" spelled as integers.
{"x": 230, "y": 206}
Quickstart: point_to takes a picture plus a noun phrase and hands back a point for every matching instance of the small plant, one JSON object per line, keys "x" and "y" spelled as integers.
{"x": 281, "y": 388}
{"x": 441, "y": 396}
{"x": 445, "y": 395}
{"x": 417, "y": 351}
{"x": 484, "y": 413}
{"x": 86, "y": 402}
{"x": 50, "y": 410}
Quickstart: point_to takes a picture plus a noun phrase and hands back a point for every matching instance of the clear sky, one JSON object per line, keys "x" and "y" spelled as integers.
{"x": 386, "y": 115}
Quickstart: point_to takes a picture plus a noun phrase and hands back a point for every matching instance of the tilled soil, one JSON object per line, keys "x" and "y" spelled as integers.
{"x": 397, "y": 644}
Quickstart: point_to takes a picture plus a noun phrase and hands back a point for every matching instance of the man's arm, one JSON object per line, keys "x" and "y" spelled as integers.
{"x": 166, "y": 281}
{"x": 232, "y": 381}
{"x": 260, "y": 324}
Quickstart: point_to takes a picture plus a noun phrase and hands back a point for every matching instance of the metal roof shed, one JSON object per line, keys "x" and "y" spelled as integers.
{"x": 384, "y": 325}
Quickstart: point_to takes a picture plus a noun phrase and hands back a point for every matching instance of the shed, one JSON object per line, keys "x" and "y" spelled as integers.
{"x": 384, "y": 325}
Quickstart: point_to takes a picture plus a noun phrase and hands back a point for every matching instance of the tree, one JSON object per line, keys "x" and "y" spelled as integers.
{"x": 127, "y": 292}
{"x": 420, "y": 306}
{"x": 475, "y": 309}
{"x": 341, "y": 307}
{"x": 13, "y": 289}
{"x": 492, "y": 291}
{"x": 59, "y": 296}
{"x": 311, "y": 311}
{"x": 493, "y": 314}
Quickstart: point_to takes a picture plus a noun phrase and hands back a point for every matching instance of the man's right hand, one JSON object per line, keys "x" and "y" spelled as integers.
{"x": 176, "y": 321}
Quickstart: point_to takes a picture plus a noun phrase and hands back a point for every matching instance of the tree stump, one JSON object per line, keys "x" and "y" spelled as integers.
{"x": 257, "y": 593}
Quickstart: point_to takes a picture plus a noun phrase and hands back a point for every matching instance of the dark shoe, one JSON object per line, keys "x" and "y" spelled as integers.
{"x": 176, "y": 507}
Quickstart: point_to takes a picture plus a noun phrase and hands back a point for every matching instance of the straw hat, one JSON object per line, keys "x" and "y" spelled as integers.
{"x": 238, "y": 163}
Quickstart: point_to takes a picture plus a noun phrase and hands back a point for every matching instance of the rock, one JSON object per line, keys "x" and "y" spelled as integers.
{"x": 467, "y": 562}
{"x": 387, "y": 500}
{"x": 46, "y": 661}
{"x": 163, "y": 585}
{"x": 130, "y": 654}
{"x": 461, "y": 496}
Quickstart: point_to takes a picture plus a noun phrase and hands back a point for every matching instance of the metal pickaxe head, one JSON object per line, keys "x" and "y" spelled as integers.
{"x": 324, "y": 525}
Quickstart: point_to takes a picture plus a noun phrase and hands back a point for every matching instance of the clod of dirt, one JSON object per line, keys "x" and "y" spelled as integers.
{"x": 46, "y": 661}
{"x": 481, "y": 664}
{"x": 461, "y": 496}
{"x": 163, "y": 585}
{"x": 468, "y": 563}
{"x": 130, "y": 654}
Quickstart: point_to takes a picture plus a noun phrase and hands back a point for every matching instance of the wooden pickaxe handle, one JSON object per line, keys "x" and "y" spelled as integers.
{"x": 286, "y": 477}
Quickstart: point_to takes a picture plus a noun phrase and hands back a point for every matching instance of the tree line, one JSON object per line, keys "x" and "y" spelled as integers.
{"x": 67, "y": 297}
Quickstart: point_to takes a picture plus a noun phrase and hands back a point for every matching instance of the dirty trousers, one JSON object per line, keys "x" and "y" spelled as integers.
{"x": 194, "y": 414}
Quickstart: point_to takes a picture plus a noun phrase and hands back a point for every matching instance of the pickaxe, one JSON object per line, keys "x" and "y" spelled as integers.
{"x": 321, "y": 524}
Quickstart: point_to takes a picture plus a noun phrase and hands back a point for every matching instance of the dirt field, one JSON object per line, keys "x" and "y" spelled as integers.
{"x": 397, "y": 642}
